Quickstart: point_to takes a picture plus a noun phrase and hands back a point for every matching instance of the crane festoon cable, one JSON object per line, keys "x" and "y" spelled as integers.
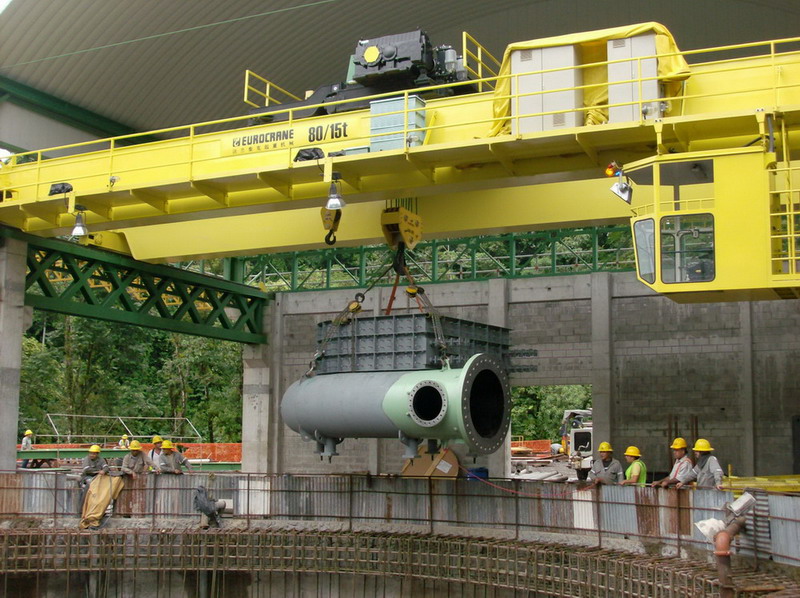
{"x": 167, "y": 33}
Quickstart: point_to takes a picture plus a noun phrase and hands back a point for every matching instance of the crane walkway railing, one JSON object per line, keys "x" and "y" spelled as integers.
{"x": 230, "y": 165}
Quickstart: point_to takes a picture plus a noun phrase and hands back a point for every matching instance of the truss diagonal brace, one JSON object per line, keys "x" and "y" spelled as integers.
{"x": 108, "y": 286}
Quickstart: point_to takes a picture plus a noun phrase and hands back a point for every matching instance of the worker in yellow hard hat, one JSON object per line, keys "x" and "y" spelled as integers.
{"x": 124, "y": 443}
{"x": 606, "y": 469}
{"x": 636, "y": 474}
{"x": 93, "y": 464}
{"x": 155, "y": 452}
{"x": 707, "y": 471}
{"x": 136, "y": 462}
{"x": 681, "y": 465}
{"x": 26, "y": 445}
{"x": 171, "y": 461}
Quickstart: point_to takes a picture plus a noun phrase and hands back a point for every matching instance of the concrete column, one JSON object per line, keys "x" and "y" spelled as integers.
{"x": 747, "y": 456}
{"x": 276, "y": 360}
{"x": 256, "y": 412}
{"x": 12, "y": 315}
{"x": 602, "y": 399}
{"x": 499, "y": 462}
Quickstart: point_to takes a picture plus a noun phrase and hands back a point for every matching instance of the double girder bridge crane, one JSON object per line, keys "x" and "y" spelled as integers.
{"x": 702, "y": 157}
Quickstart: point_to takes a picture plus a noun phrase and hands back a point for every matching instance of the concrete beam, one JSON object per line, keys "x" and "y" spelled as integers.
{"x": 12, "y": 317}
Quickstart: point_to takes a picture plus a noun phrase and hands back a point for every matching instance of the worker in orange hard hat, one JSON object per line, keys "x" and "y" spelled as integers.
{"x": 681, "y": 466}
{"x": 636, "y": 474}
{"x": 606, "y": 469}
{"x": 707, "y": 471}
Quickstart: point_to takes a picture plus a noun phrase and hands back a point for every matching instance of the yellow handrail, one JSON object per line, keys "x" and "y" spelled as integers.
{"x": 482, "y": 69}
{"x": 269, "y": 86}
{"x": 190, "y": 131}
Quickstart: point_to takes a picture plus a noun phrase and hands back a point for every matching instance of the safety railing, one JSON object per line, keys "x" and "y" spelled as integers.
{"x": 785, "y": 220}
{"x": 266, "y": 97}
{"x": 479, "y": 63}
{"x": 712, "y": 88}
{"x": 660, "y": 519}
{"x": 773, "y": 83}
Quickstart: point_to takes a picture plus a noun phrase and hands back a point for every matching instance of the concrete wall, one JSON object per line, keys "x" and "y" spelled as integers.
{"x": 654, "y": 365}
{"x": 30, "y": 130}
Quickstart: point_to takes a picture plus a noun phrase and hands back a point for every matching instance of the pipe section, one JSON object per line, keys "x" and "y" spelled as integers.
{"x": 470, "y": 405}
{"x": 722, "y": 551}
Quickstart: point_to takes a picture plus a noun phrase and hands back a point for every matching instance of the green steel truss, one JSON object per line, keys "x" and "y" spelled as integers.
{"x": 72, "y": 279}
{"x": 514, "y": 255}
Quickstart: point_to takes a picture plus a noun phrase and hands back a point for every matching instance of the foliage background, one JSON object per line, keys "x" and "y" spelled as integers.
{"x": 91, "y": 367}
{"x": 536, "y": 411}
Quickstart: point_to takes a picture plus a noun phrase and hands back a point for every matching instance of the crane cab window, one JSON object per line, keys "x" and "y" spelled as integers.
{"x": 644, "y": 239}
{"x": 687, "y": 248}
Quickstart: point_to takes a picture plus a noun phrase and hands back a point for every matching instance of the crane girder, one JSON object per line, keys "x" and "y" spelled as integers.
{"x": 708, "y": 168}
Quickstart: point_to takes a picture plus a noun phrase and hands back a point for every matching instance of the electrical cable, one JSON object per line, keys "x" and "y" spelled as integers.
{"x": 168, "y": 33}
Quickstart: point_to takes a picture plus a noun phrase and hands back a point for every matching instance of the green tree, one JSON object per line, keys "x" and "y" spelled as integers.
{"x": 203, "y": 380}
{"x": 537, "y": 411}
{"x": 41, "y": 384}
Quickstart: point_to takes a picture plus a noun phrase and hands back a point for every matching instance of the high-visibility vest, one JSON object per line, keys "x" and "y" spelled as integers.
{"x": 642, "y": 472}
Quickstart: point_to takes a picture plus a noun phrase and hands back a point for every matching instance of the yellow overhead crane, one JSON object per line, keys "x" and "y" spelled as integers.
{"x": 702, "y": 157}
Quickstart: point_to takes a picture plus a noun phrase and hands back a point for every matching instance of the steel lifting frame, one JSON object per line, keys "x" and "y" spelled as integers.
{"x": 73, "y": 279}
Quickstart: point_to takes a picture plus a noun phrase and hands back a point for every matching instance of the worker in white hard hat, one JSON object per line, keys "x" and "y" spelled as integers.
{"x": 93, "y": 464}
{"x": 707, "y": 471}
{"x": 681, "y": 465}
{"x": 137, "y": 462}
{"x": 124, "y": 443}
{"x": 171, "y": 461}
{"x": 26, "y": 445}
{"x": 606, "y": 469}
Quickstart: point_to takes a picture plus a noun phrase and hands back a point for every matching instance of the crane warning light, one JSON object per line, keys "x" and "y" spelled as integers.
{"x": 613, "y": 169}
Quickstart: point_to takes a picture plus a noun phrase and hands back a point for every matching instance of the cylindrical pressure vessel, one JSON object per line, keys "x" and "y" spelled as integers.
{"x": 470, "y": 404}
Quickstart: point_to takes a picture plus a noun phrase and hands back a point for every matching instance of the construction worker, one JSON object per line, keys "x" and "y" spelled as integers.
{"x": 124, "y": 443}
{"x": 636, "y": 474}
{"x": 707, "y": 471}
{"x": 606, "y": 469}
{"x": 170, "y": 461}
{"x": 155, "y": 452}
{"x": 93, "y": 464}
{"x": 136, "y": 462}
{"x": 26, "y": 445}
{"x": 681, "y": 466}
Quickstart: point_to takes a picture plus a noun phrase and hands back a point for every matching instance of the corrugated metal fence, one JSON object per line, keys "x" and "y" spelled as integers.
{"x": 494, "y": 508}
